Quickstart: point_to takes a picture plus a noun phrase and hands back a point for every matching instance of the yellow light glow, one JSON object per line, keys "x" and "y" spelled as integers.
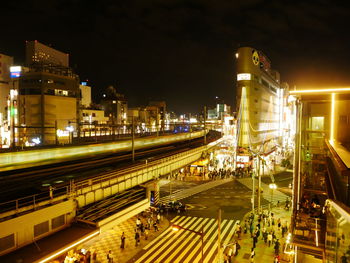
{"x": 319, "y": 90}
{"x": 69, "y": 247}
{"x": 174, "y": 228}
{"x": 332, "y": 117}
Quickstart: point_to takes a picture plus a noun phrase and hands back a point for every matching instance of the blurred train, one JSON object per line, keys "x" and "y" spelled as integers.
{"x": 25, "y": 159}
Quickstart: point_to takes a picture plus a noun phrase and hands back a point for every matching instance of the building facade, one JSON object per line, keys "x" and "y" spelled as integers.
{"x": 48, "y": 97}
{"x": 260, "y": 100}
{"x": 5, "y": 85}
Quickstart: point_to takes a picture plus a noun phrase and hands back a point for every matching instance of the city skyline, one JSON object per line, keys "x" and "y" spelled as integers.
{"x": 183, "y": 52}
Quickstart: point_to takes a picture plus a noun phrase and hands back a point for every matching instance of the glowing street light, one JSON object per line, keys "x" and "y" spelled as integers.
{"x": 200, "y": 233}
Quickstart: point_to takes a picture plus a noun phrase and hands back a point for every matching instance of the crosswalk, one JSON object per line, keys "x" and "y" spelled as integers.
{"x": 267, "y": 194}
{"x": 193, "y": 190}
{"x": 185, "y": 246}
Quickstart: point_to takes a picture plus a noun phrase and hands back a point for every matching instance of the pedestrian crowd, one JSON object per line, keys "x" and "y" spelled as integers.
{"x": 262, "y": 228}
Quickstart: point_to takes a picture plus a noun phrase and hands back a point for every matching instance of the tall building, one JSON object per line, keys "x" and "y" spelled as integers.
{"x": 5, "y": 85}
{"x": 49, "y": 96}
{"x": 260, "y": 101}
{"x": 85, "y": 95}
{"x": 37, "y": 52}
{"x": 115, "y": 106}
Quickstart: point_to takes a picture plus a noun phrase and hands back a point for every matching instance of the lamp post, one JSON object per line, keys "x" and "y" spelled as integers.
{"x": 272, "y": 187}
{"x": 200, "y": 233}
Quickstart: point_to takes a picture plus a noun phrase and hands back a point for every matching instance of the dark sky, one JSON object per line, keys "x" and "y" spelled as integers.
{"x": 183, "y": 51}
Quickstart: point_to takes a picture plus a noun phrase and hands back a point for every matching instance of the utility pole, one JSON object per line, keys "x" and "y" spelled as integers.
{"x": 157, "y": 122}
{"x": 259, "y": 185}
{"x": 253, "y": 190}
{"x": 205, "y": 127}
{"x": 133, "y": 139}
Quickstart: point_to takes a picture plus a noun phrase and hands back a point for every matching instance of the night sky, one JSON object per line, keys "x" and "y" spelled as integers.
{"x": 183, "y": 51}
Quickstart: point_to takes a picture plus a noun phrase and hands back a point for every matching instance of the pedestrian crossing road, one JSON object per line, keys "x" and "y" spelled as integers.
{"x": 185, "y": 246}
{"x": 194, "y": 190}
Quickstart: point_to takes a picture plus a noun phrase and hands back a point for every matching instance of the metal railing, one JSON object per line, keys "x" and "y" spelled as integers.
{"x": 33, "y": 202}
{"x": 124, "y": 174}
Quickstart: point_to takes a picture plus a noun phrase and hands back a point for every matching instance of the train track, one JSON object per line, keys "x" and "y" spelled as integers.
{"x": 38, "y": 180}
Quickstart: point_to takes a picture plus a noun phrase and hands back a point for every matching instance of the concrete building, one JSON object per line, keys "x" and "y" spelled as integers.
{"x": 115, "y": 106}
{"x": 49, "y": 97}
{"x": 5, "y": 85}
{"x": 85, "y": 95}
{"x": 38, "y": 53}
{"x": 260, "y": 98}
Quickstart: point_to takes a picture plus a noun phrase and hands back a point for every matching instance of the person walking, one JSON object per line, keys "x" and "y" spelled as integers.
{"x": 255, "y": 240}
{"x": 146, "y": 234}
{"x": 138, "y": 223}
{"x": 277, "y": 247}
{"x": 279, "y": 224}
{"x": 110, "y": 256}
{"x": 269, "y": 239}
{"x": 234, "y": 249}
{"x": 155, "y": 226}
{"x": 137, "y": 238}
{"x": 230, "y": 254}
{"x": 252, "y": 255}
{"x": 122, "y": 241}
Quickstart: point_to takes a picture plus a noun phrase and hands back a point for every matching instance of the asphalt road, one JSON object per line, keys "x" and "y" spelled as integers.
{"x": 232, "y": 198}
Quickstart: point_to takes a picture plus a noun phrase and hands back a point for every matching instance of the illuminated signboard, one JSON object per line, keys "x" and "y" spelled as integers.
{"x": 84, "y": 83}
{"x": 15, "y": 71}
{"x": 243, "y": 76}
{"x": 243, "y": 159}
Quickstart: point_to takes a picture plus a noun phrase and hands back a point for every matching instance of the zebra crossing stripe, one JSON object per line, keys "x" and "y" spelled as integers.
{"x": 215, "y": 247}
{"x": 176, "y": 220}
{"x": 192, "y": 191}
{"x": 184, "y": 246}
{"x": 181, "y": 235}
{"x": 225, "y": 239}
{"x": 179, "y": 248}
{"x": 208, "y": 242}
{"x": 166, "y": 242}
{"x": 185, "y": 251}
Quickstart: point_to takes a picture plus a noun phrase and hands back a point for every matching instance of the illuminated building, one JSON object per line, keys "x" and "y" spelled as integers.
{"x": 260, "y": 98}
{"x": 49, "y": 96}
{"x": 85, "y": 95}
{"x": 5, "y": 85}
{"x": 322, "y": 173}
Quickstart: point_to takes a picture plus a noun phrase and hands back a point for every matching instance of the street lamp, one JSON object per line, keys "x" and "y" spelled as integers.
{"x": 272, "y": 187}
{"x": 200, "y": 233}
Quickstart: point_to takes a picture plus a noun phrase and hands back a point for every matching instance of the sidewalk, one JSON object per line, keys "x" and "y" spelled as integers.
{"x": 110, "y": 240}
{"x": 263, "y": 253}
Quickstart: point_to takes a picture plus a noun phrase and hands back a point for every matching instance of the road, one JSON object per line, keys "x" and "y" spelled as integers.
{"x": 231, "y": 196}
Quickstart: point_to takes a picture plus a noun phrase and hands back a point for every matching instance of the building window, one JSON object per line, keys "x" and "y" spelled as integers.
{"x": 58, "y": 221}
{"x": 41, "y": 228}
{"x": 59, "y": 92}
{"x": 7, "y": 242}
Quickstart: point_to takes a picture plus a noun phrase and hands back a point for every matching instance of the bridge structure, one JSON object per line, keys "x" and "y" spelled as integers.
{"x": 100, "y": 202}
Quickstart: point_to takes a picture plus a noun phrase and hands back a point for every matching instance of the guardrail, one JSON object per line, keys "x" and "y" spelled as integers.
{"x": 33, "y": 202}
{"x": 122, "y": 174}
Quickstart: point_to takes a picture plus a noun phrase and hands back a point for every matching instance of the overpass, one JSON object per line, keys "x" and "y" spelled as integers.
{"x": 25, "y": 221}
